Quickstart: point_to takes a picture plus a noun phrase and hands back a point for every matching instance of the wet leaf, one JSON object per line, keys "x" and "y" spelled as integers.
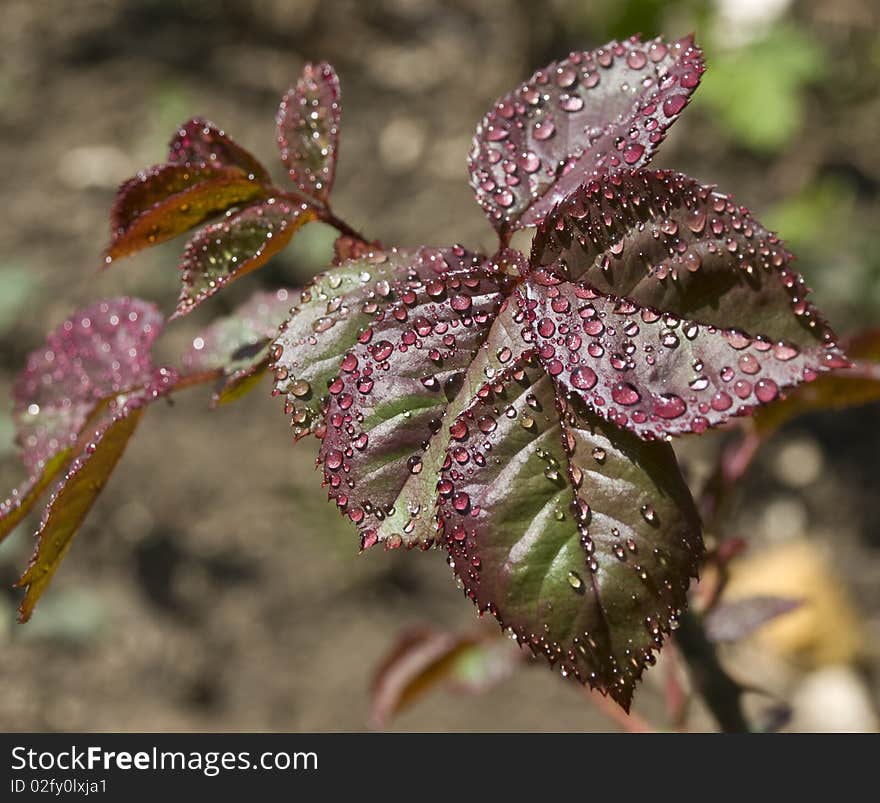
{"x": 23, "y": 498}
{"x": 335, "y": 310}
{"x": 72, "y": 500}
{"x": 239, "y": 344}
{"x": 739, "y": 619}
{"x": 101, "y": 350}
{"x": 426, "y": 659}
{"x": 412, "y": 519}
{"x": 835, "y": 390}
{"x": 677, "y": 309}
{"x": 167, "y": 200}
{"x": 576, "y": 535}
{"x": 389, "y": 399}
{"x": 240, "y": 243}
{"x": 629, "y": 365}
{"x": 585, "y": 115}
{"x": 308, "y": 130}
{"x": 199, "y": 143}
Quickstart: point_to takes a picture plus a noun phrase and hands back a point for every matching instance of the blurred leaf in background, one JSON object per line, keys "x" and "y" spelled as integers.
{"x": 17, "y": 286}
{"x": 756, "y": 89}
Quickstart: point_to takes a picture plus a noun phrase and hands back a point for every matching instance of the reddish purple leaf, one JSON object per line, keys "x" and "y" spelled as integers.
{"x": 239, "y": 344}
{"x": 576, "y": 535}
{"x": 667, "y": 308}
{"x": 23, "y": 498}
{"x": 389, "y": 399}
{"x": 237, "y": 245}
{"x": 425, "y": 659}
{"x": 835, "y": 390}
{"x": 100, "y": 351}
{"x": 73, "y": 498}
{"x": 308, "y": 130}
{"x": 630, "y": 366}
{"x": 199, "y": 143}
{"x": 167, "y": 200}
{"x": 739, "y": 619}
{"x": 580, "y": 117}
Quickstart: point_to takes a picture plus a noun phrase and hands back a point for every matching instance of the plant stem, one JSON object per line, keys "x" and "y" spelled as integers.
{"x": 721, "y": 693}
{"x": 341, "y": 226}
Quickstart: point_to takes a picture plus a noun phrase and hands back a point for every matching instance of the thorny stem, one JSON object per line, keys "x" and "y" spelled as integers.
{"x": 723, "y": 695}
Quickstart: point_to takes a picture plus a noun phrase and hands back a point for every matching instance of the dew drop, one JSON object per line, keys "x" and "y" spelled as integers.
{"x": 624, "y": 393}
{"x": 575, "y": 581}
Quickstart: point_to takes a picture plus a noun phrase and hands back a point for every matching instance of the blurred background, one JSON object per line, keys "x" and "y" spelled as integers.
{"x": 212, "y": 587}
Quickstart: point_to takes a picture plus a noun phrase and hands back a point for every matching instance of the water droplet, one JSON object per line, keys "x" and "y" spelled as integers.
{"x": 624, "y": 393}
{"x": 633, "y": 152}
{"x": 381, "y": 351}
{"x": 300, "y": 388}
{"x": 636, "y": 59}
{"x": 529, "y": 161}
{"x": 674, "y": 104}
{"x": 748, "y": 364}
{"x": 766, "y": 390}
{"x": 583, "y": 378}
{"x": 668, "y": 405}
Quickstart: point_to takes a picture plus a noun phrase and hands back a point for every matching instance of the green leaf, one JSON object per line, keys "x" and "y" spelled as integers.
{"x": 72, "y": 500}
{"x": 387, "y": 421}
{"x": 576, "y": 535}
{"x": 412, "y": 518}
{"x": 237, "y": 245}
{"x": 335, "y": 310}
{"x": 238, "y": 345}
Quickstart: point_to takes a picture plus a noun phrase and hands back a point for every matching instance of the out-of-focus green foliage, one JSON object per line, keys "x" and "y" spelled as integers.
{"x": 757, "y": 89}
